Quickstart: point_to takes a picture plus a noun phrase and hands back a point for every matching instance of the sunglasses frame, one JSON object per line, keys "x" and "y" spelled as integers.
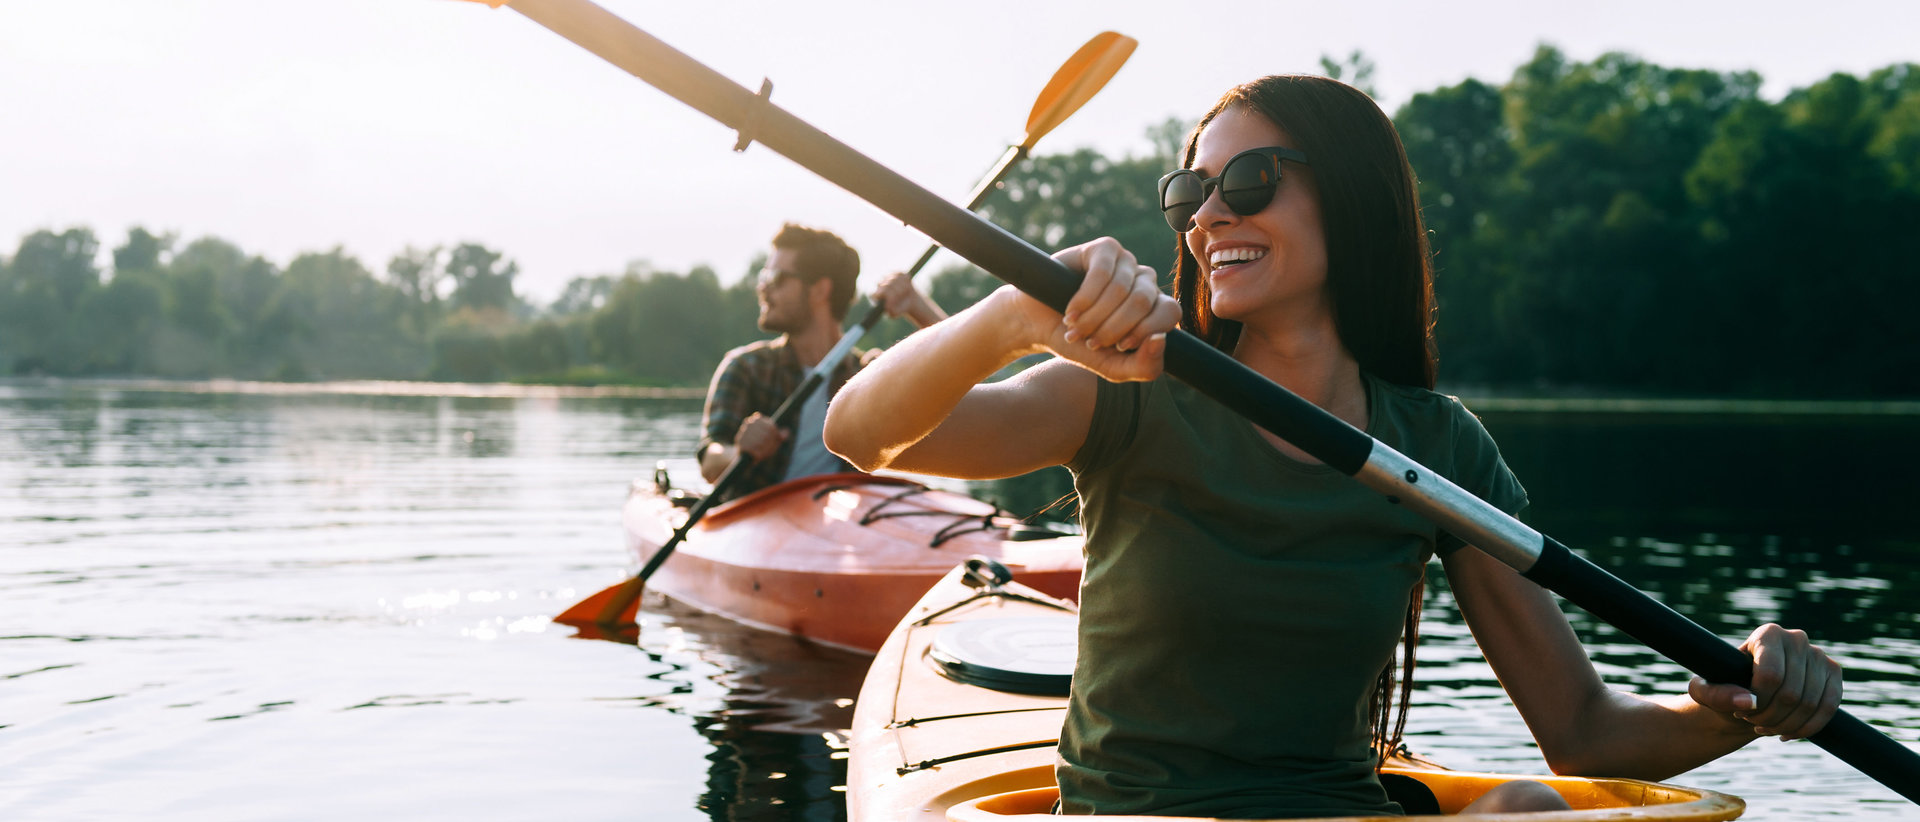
{"x": 762, "y": 281}
{"x": 1208, "y": 185}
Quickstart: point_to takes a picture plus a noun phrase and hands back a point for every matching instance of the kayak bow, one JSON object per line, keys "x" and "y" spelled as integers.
{"x": 836, "y": 558}
{"x": 926, "y": 746}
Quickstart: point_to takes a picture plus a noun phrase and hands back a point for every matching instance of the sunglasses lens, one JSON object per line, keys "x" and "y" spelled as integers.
{"x": 1247, "y": 184}
{"x": 1180, "y": 198}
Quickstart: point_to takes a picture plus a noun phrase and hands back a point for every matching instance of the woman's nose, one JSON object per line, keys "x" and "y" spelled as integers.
{"x": 1213, "y": 211}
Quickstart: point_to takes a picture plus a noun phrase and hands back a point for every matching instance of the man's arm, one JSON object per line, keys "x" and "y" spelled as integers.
{"x": 728, "y": 398}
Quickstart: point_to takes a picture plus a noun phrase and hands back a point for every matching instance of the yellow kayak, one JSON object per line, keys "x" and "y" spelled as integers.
{"x": 959, "y": 716}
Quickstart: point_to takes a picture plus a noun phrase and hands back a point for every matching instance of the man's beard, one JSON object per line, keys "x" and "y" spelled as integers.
{"x": 773, "y": 320}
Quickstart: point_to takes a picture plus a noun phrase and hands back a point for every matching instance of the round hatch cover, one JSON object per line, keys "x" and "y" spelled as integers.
{"x": 1022, "y": 655}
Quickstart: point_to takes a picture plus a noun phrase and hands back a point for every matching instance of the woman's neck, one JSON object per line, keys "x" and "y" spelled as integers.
{"x": 1310, "y": 361}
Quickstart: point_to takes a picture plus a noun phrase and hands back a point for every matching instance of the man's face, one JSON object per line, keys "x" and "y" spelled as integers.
{"x": 783, "y": 296}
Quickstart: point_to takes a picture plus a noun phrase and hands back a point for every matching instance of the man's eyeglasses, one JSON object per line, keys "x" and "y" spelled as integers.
{"x": 1246, "y": 183}
{"x": 771, "y": 279}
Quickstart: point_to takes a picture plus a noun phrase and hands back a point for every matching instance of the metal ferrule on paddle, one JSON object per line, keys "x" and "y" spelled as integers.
{"x": 1209, "y": 370}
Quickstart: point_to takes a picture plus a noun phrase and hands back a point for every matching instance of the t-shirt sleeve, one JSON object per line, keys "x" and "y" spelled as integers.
{"x": 1479, "y": 468}
{"x": 1116, "y": 413}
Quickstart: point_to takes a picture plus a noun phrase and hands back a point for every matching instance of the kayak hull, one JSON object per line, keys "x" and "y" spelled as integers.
{"x": 836, "y": 558}
{"x": 927, "y": 747}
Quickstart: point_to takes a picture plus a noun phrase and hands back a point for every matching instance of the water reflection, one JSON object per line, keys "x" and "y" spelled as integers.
{"x": 170, "y": 559}
{"x": 1735, "y": 520}
{"x": 773, "y": 707}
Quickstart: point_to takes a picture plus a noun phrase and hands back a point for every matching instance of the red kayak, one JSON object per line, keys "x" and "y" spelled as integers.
{"x": 836, "y": 558}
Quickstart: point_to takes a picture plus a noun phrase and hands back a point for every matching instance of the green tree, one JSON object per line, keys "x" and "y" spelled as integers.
{"x": 199, "y": 328}
{"x": 1061, "y": 200}
{"x": 1801, "y": 203}
{"x": 63, "y": 263}
{"x": 583, "y": 295}
{"x": 119, "y": 322}
{"x": 350, "y": 323}
{"x": 1460, "y": 147}
{"x": 247, "y": 301}
{"x": 142, "y": 251}
{"x": 660, "y": 326}
{"x": 416, "y": 274}
{"x": 482, "y": 278}
{"x": 46, "y": 279}
{"x": 1602, "y": 224}
{"x": 540, "y": 349}
{"x": 1355, "y": 70}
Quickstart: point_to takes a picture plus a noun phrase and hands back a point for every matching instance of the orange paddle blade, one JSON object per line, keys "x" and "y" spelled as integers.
{"x": 617, "y": 605}
{"x": 1083, "y": 75}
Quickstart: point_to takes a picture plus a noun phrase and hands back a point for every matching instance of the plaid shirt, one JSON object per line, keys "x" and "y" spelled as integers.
{"x": 758, "y": 377}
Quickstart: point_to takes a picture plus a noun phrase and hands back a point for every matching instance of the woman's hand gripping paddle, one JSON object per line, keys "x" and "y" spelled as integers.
{"x": 609, "y": 613}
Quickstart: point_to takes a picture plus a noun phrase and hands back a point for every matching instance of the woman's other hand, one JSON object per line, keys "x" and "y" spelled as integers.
{"x": 1796, "y": 686}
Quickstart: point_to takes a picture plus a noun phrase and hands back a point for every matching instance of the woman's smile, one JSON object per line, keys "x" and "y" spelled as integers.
{"x": 1221, "y": 258}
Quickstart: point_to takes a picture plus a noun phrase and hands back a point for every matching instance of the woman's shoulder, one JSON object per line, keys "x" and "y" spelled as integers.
{"x": 1420, "y": 413}
{"x": 1413, "y": 399}
{"x": 1439, "y": 431}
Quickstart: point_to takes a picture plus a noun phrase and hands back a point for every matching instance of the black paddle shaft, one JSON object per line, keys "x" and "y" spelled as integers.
{"x": 1207, "y": 369}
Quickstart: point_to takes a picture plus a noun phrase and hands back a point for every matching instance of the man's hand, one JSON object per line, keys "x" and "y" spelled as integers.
{"x": 897, "y": 295}
{"x": 759, "y": 438}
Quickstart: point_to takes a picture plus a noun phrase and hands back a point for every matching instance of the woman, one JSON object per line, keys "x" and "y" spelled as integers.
{"x": 1241, "y": 602}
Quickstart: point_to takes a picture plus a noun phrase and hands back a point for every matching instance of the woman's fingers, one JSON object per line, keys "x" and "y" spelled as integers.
{"x": 1796, "y": 686}
{"x": 1724, "y": 698}
{"x": 1116, "y": 300}
{"x": 1127, "y": 304}
{"x": 1115, "y": 325}
{"x": 1100, "y": 263}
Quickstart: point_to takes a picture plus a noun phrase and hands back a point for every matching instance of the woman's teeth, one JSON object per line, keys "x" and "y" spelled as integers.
{"x": 1235, "y": 256}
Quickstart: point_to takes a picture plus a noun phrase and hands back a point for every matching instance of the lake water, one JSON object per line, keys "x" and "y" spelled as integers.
{"x": 265, "y": 603}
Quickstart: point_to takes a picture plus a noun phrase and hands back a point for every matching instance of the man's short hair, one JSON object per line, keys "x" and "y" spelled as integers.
{"x": 819, "y": 253}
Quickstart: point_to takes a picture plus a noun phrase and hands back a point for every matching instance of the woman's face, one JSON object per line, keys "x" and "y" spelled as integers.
{"x": 1270, "y": 267}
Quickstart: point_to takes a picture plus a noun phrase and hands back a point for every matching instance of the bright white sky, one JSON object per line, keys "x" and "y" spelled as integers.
{"x": 293, "y": 125}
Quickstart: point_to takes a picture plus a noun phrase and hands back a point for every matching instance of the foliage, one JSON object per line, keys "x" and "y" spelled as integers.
{"x": 1608, "y": 226}
{"x": 1620, "y": 226}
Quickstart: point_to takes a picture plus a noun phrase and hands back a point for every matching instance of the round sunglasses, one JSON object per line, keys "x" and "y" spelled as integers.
{"x": 1247, "y": 184}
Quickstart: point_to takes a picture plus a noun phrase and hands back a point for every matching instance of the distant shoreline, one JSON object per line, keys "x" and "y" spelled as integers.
{"x": 1478, "y": 403}
{"x": 1691, "y": 407}
{"x": 380, "y": 388}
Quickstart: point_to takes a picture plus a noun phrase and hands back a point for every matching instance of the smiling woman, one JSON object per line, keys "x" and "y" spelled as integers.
{"x": 1326, "y": 290}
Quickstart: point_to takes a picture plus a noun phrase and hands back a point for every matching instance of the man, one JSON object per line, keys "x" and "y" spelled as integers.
{"x": 805, "y": 291}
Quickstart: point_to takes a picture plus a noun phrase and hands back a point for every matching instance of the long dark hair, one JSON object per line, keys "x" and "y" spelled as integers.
{"x": 1379, "y": 277}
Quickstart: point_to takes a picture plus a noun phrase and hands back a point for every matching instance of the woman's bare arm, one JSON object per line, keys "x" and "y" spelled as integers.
{"x": 1583, "y": 727}
{"x": 921, "y": 406}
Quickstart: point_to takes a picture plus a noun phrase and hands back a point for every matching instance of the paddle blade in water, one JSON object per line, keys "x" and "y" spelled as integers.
{"x": 1081, "y": 77}
{"x": 615, "y": 606}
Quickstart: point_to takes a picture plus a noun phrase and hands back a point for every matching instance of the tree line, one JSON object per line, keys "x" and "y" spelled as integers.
{"x": 1607, "y": 226}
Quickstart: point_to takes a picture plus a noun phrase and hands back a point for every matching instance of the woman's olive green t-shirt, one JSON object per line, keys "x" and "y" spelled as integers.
{"x": 1238, "y": 605}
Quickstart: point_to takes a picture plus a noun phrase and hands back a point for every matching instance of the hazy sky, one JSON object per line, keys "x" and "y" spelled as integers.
{"x": 293, "y": 125}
